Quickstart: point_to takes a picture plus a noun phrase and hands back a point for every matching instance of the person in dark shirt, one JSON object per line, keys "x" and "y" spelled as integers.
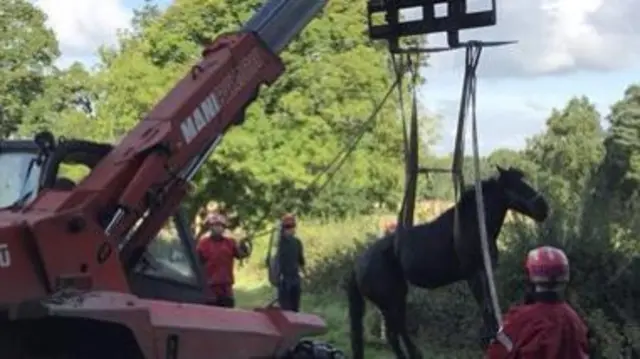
{"x": 290, "y": 262}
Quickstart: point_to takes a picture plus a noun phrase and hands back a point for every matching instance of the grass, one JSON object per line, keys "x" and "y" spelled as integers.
{"x": 321, "y": 239}
{"x": 252, "y": 292}
{"x": 332, "y": 310}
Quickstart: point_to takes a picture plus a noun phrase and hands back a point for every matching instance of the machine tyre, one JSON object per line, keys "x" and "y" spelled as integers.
{"x": 308, "y": 349}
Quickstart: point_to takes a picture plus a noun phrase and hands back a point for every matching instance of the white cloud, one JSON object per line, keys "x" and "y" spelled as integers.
{"x": 83, "y": 25}
{"x": 566, "y": 48}
{"x": 504, "y": 120}
{"x": 555, "y": 36}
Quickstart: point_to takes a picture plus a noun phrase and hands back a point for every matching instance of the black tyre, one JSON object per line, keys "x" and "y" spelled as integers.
{"x": 308, "y": 349}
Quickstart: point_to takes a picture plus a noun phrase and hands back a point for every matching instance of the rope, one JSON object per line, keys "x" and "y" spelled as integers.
{"x": 334, "y": 166}
{"x": 473, "y": 51}
{"x": 400, "y": 78}
{"x": 339, "y": 160}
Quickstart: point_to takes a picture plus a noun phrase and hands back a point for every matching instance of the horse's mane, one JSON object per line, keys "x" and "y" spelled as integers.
{"x": 469, "y": 192}
{"x": 467, "y": 199}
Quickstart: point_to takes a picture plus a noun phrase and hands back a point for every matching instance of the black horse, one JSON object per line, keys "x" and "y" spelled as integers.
{"x": 430, "y": 256}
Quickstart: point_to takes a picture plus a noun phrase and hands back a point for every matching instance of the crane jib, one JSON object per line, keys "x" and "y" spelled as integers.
{"x": 201, "y": 116}
{"x": 5, "y": 256}
{"x": 231, "y": 84}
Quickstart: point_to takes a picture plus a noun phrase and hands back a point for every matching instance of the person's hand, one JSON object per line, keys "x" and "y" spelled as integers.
{"x": 244, "y": 248}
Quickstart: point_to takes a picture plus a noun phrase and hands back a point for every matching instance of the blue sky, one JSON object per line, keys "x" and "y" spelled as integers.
{"x": 566, "y": 48}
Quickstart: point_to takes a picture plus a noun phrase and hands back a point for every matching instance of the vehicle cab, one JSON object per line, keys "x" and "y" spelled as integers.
{"x": 168, "y": 270}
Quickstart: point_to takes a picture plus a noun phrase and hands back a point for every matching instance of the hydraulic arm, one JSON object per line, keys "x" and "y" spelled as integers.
{"x": 90, "y": 236}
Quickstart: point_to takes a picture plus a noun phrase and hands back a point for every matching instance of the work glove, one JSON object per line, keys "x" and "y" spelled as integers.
{"x": 245, "y": 246}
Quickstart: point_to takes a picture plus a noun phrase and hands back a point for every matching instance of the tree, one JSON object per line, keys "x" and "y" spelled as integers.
{"x": 616, "y": 182}
{"x": 622, "y": 160}
{"x": 66, "y": 105}
{"x": 571, "y": 145}
{"x": 335, "y": 77}
{"x": 565, "y": 156}
{"x": 438, "y": 182}
{"x": 28, "y": 50}
{"x": 505, "y": 157}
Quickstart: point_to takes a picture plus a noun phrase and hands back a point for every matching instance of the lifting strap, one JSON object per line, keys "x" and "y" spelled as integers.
{"x": 473, "y": 49}
{"x": 472, "y": 57}
{"x": 411, "y": 148}
{"x": 316, "y": 186}
{"x": 322, "y": 179}
{"x": 468, "y": 103}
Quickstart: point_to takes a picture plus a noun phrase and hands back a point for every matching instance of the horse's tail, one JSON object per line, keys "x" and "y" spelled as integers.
{"x": 356, "y": 316}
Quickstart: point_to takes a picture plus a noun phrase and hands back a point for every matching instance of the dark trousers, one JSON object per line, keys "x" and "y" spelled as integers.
{"x": 289, "y": 292}
{"x": 223, "y": 301}
{"x": 222, "y": 296}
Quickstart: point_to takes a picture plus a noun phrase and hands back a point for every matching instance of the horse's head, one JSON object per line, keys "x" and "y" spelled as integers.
{"x": 520, "y": 196}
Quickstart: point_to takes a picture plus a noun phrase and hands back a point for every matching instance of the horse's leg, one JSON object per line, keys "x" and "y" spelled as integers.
{"x": 383, "y": 327}
{"x": 478, "y": 285}
{"x": 392, "y": 333}
{"x": 412, "y": 349}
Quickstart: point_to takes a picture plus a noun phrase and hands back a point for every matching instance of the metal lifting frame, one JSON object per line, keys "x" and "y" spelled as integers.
{"x": 457, "y": 18}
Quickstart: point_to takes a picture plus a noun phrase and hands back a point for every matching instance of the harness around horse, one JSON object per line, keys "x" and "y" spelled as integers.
{"x": 467, "y": 104}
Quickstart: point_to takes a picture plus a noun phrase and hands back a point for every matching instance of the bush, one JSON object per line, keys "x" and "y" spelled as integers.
{"x": 437, "y": 316}
{"x": 604, "y": 291}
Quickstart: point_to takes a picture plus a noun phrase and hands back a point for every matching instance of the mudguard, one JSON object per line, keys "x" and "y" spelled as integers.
{"x": 164, "y": 329}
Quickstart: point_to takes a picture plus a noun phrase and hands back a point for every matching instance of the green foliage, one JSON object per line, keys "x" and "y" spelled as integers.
{"x": 616, "y": 182}
{"x": 603, "y": 288}
{"x": 335, "y": 78}
{"x": 567, "y": 161}
{"x": 330, "y": 248}
{"x": 65, "y": 106}
{"x": 622, "y": 143}
{"x": 570, "y": 147}
{"x": 438, "y": 183}
{"x": 27, "y": 52}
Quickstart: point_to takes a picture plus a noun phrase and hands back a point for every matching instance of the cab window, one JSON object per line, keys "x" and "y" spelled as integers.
{"x": 73, "y": 172}
{"x": 19, "y": 179}
{"x": 167, "y": 258}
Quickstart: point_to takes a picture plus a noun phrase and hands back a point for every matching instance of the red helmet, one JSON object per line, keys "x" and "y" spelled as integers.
{"x": 288, "y": 220}
{"x": 215, "y": 218}
{"x": 547, "y": 264}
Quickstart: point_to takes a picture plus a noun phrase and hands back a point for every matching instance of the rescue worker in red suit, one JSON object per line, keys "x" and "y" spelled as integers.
{"x": 218, "y": 253}
{"x": 545, "y": 326}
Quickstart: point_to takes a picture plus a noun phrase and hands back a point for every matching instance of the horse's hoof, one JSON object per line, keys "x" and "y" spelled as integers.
{"x": 484, "y": 338}
{"x": 484, "y": 343}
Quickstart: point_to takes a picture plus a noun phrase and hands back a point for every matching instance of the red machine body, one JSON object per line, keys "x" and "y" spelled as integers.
{"x": 66, "y": 256}
{"x": 142, "y": 170}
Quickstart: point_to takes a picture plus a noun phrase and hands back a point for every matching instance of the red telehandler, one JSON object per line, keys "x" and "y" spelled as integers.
{"x": 79, "y": 276}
